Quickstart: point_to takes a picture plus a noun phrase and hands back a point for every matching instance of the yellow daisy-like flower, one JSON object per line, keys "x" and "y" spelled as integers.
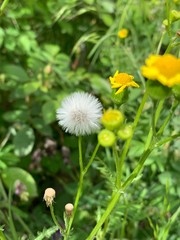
{"x": 165, "y": 69}
{"x": 122, "y": 81}
{"x": 123, "y": 33}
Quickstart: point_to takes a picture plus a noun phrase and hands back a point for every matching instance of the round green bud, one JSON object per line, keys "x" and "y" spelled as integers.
{"x": 125, "y": 131}
{"x": 112, "y": 119}
{"x": 106, "y": 138}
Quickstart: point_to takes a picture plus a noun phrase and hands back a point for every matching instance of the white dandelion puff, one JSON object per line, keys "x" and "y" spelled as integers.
{"x": 80, "y": 114}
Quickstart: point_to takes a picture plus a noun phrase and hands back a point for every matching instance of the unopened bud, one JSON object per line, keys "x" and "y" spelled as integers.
{"x": 112, "y": 119}
{"x": 106, "y": 138}
{"x": 48, "y": 69}
{"x": 49, "y": 196}
{"x": 69, "y": 209}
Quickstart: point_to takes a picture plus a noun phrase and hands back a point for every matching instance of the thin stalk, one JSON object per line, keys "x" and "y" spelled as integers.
{"x": 11, "y": 222}
{"x": 161, "y": 130}
{"x": 160, "y": 42}
{"x": 2, "y": 190}
{"x": 168, "y": 139}
{"x": 54, "y": 219}
{"x": 80, "y": 186}
{"x": 3, "y": 6}
{"x": 103, "y": 218}
{"x": 138, "y": 168}
{"x": 2, "y": 237}
{"x": 24, "y": 225}
{"x": 91, "y": 159}
{"x": 127, "y": 144}
{"x": 152, "y": 131}
{"x": 117, "y": 163}
{"x": 105, "y": 229}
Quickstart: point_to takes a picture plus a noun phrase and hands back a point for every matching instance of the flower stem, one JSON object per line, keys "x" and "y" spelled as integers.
{"x": 80, "y": 186}
{"x": 127, "y": 144}
{"x": 176, "y": 103}
{"x": 54, "y": 219}
{"x": 115, "y": 196}
{"x": 2, "y": 237}
{"x": 91, "y": 159}
{"x": 103, "y": 218}
{"x": 11, "y": 222}
{"x": 3, "y": 6}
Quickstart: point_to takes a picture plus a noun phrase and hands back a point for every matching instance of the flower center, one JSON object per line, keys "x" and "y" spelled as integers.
{"x": 123, "y": 78}
{"x": 167, "y": 66}
{"x": 79, "y": 116}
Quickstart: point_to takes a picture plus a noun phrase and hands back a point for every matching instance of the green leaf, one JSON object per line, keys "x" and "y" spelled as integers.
{"x": 24, "y": 141}
{"x": 15, "y": 72}
{"x": 39, "y": 124}
{"x": 49, "y": 111}
{"x": 9, "y": 158}
{"x": 26, "y": 89}
{"x": 11, "y": 175}
{"x": 16, "y": 116}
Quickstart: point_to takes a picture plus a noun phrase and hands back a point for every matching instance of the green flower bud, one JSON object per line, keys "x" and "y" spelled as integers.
{"x": 112, "y": 119}
{"x": 106, "y": 138}
{"x": 125, "y": 131}
{"x": 157, "y": 91}
{"x": 176, "y": 92}
{"x": 120, "y": 98}
{"x": 174, "y": 15}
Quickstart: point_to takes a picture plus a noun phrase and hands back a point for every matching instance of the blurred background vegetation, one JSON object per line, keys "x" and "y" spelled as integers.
{"x": 49, "y": 49}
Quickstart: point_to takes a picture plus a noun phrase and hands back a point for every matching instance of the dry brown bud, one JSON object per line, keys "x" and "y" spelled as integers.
{"x": 49, "y": 196}
{"x": 69, "y": 208}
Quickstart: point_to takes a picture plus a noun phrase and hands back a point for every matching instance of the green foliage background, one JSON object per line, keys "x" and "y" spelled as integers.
{"x": 49, "y": 49}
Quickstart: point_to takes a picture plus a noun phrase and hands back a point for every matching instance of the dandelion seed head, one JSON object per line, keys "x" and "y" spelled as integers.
{"x": 80, "y": 114}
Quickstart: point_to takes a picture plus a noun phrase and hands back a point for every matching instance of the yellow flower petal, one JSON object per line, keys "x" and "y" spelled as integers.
{"x": 121, "y": 81}
{"x": 123, "y": 33}
{"x": 165, "y": 69}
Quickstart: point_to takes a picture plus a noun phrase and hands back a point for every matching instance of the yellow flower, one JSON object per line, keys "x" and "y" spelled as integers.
{"x": 123, "y": 33}
{"x": 165, "y": 69}
{"x": 121, "y": 81}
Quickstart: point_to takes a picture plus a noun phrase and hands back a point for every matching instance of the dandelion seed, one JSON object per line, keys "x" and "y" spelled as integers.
{"x": 80, "y": 114}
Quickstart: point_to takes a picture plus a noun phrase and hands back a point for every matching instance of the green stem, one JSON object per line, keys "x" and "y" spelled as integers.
{"x": 155, "y": 117}
{"x": 160, "y": 42}
{"x": 127, "y": 144}
{"x": 138, "y": 168}
{"x": 2, "y": 237}
{"x": 24, "y": 225}
{"x": 158, "y": 111}
{"x": 103, "y": 218}
{"x": 91, "y": 159}
{"x": 118, "y": 167}
{"x": 2, "y": 190}
{"x": 54, "y": 219}
{"x": 79, "y": 191}
{"x": 3, "y": 6}
{"x": 168, "y": 139}
{"x": 104, "y": 229}
{"x": 11, "y": 222}
{"x": 115, "y": 196}
{"x": 161, "y": 130}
